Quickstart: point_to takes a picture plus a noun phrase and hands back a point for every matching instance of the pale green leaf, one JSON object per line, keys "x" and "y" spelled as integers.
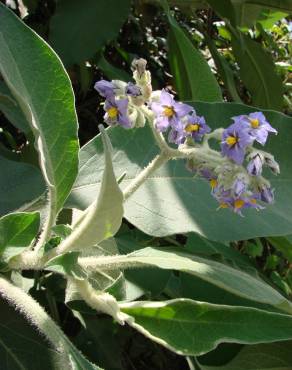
{"x": 104, "y": 216}
{"x": 221, "y": 275}
{"x": 194, "y": 328}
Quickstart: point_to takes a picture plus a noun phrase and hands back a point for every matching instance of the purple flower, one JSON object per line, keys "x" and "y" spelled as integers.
{"x": 267, "y": 194}
{"x": 117, "y": 112}
{"x": 257, "y": 124}
{"x": 132, "y": 89}
{"x": 239, "y": 186}
{"x": 196, "y": 127}
{"x": 177, "y": 135}
{"x": 234, "y": 141}
{"x": 237, "y": 204}
{"x": 168, "y": 112}
{"x": 255, "y": 166}
{"x": 105, "y": 88}
{"x": 211, "y": 177}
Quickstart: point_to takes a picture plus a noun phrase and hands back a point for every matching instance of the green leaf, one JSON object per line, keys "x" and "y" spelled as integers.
{"x": 20, "y": 185}
{"x": 173, "y": 201}
{"x": 78, "y": 31}
{"x": 17, "y": 231}
{"x": 67, "y": 264}
{"x": 194, "y": 328}
{"x": 269, "y": 18}
{"x": 271, "y": 356}
{"x": 193, "y": 77}
{"x": 230, "y": 279}
{"x": 42, "y": 88}
{"x": 224, "y": 69}
{"x": 283, "y": 245}
{"x": 11, "y": 109}
{"x": 260, "y": 78}
{"x": 244, "y": 13}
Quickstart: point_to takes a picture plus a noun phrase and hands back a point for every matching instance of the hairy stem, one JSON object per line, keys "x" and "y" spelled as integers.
{"x": 33, "y": 312}
{"x": 156, "y": 163}
{"x": 100, "y": 301}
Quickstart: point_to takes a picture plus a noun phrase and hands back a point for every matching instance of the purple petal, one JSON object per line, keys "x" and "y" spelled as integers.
{"x": 105, "y": 88}
{"x": 181, "y": 109}
{"x": 162, "y": 123}
{"x": 166, "y": 98}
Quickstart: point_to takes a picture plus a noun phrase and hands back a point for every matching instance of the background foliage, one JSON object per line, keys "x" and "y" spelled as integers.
{"x": 208, "y": 52}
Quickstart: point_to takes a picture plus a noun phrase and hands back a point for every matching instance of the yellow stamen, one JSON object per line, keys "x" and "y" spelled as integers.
{"x": 253, "y": 201}
{"x": 168, "y": 111}
{"x": 239, "y": 203}
{"x": 213, "y": 183}
{"x": 192, "y": 128}
{"x": 254, "y": 123}
{"x": 112, "y": 112}
{"x": 231, "y": 140}
{"x": 223, "y": 205}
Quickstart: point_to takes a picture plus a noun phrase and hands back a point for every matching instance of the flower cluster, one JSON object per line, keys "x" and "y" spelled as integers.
{"x": 180, "y": 118}
{"x": 233, "y": 185}
{"x": 234, "y": 173}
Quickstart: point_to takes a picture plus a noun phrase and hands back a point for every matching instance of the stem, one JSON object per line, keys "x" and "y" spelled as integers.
{"x": 157, "y": 162}
{"x": 33, "y": 312}
{"x": 38, "y": 317}
{"x": 100, "y": 301}
{"x": 45, "y": 235}
{"x": 158, "y": 136}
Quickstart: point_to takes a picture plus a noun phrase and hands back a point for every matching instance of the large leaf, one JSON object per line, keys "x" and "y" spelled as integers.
{"x": 260, "y": 78}
{"x": 194, "y": 328}
{"x": 20, "y": 184}
{"x": 17, "y": 232}
{"x": 79, "y": 30}
{"x": 271, "y": 356}
{"x": 193, "y": 77}
{"x": 173, "y": 201}
{"x": 232, "y": 280}
{"x": 39, "y": 83}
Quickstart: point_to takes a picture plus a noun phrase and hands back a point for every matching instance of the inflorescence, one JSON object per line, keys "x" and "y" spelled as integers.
{"x": 234, "y": 173}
